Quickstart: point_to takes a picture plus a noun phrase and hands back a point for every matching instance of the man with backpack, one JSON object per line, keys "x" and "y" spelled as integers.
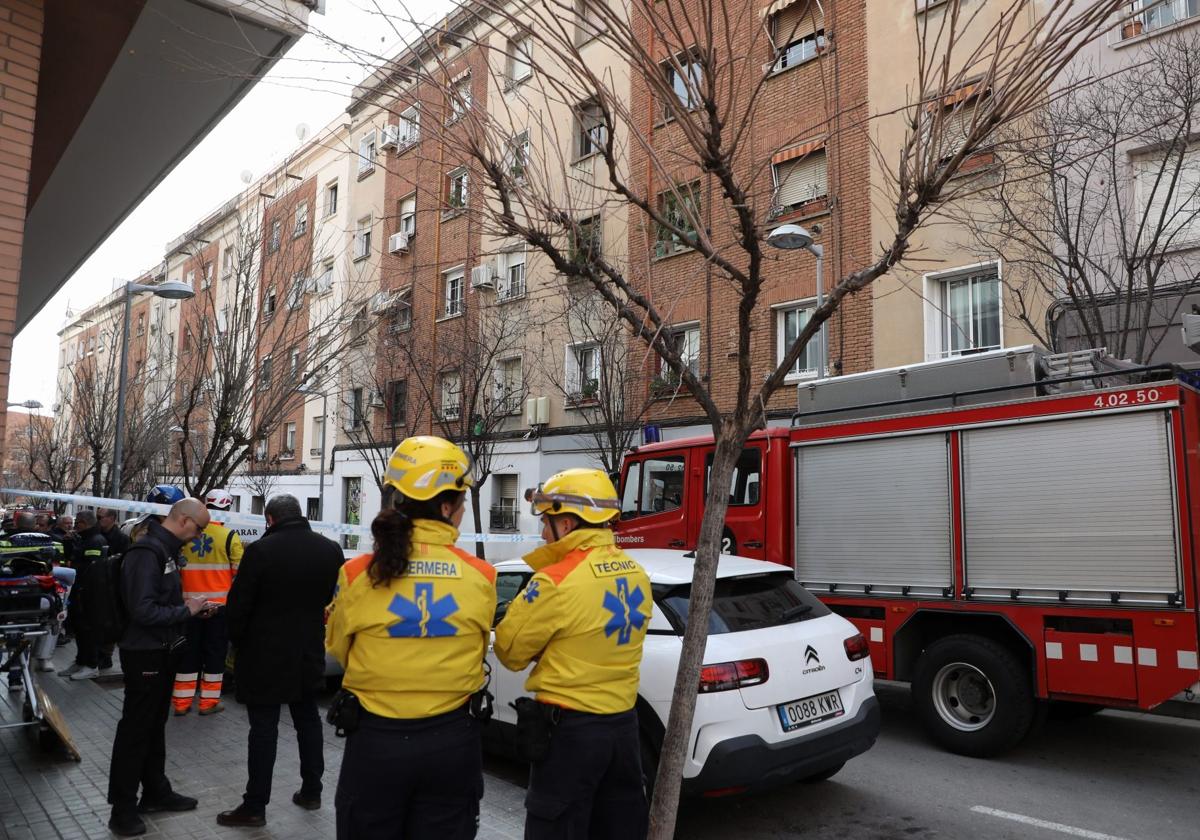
{"x": 209, "y": 564}
{"x": 151, "y": 599}
{"x": 90, "y": 546}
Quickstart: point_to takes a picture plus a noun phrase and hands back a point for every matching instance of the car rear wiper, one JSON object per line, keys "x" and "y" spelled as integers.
{"x": 796, "y": 611}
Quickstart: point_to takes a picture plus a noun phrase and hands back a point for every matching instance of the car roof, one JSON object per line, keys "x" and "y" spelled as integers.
{"x": 671, "y": 566}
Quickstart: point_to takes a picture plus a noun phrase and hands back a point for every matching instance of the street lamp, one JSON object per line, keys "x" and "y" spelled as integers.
{"x": 32, "y": 405}
{"x": 310, "y": 391}
{"x": 796, "y": 238}
{"x": 172, "y": 290}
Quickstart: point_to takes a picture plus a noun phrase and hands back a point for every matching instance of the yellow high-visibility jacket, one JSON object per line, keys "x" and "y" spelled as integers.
{"x": 211, "y": 562}
{"x": 583, "y": 617}
{"x": 414, "y": 648}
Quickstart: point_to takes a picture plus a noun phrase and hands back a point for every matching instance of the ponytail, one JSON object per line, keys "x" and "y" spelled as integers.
{"x": 392, "y": 531}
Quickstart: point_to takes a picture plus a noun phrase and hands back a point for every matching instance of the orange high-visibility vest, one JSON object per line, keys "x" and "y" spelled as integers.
{"x": 211, "y": 563}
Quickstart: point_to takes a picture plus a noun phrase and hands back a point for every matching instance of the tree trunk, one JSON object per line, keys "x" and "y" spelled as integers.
{"x": 665, "y": 807}
{"x": 475, "y": 511}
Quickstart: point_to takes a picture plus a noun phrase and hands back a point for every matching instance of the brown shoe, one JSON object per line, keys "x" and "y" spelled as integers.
{"x": 240, "y": 817}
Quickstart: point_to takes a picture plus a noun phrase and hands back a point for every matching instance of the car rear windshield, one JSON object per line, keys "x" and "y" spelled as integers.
{"x": 749, "y": 602}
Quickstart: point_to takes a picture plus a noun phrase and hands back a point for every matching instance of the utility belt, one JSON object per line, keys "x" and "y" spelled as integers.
{"x": 536, "y": 722}
{"x": 346, "y": 713}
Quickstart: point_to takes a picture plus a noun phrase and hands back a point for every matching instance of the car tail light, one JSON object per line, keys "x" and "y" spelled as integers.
{"x": 857, "y": 647}
{"x": 729, "y": 675}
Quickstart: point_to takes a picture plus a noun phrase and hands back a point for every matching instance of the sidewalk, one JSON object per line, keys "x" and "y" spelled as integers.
{"x": 44, "y": 795}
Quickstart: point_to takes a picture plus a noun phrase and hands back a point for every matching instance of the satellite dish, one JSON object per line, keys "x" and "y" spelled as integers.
{"x": 247, "y": 176}
{"x": 302, "y": 131}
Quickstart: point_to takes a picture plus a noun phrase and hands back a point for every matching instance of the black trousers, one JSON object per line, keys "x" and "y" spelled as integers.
{"x": 87, "y": 650}
{"x": 207, "y": 645}
{"x": 590, "y": 786}
{"x": 264, "y": 738}
{"x": 139, "y": 751}
{"x": 411, "y": 779}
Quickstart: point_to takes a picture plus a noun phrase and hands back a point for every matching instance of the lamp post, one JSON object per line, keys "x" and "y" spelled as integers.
{"x": 310, "y": 391}
{"x": 796, "y": 238}
{"x": 172, "y": 290}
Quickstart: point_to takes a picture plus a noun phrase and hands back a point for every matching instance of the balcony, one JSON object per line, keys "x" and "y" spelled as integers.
{"x": 504, "y": 518}
{"x": 1156, "y": 15}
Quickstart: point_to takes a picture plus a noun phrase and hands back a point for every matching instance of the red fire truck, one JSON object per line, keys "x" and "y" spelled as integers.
{"x": 1004, "y": 529}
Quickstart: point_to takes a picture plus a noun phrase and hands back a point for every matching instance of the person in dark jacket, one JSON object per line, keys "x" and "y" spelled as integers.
{"x": 110, "y": 526}
{"x": 276, "y": 616}
{"x": 157, "y": 612}
{"x": 89, "y": 547}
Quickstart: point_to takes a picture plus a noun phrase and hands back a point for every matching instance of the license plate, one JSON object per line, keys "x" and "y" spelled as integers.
{"x": 810, "y": 710}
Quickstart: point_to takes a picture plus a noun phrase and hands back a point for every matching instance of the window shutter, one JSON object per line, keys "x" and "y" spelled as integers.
{"x": 506, "y": 490}
{"x": 796, "y": 22}
{"x": 801, "y": 180}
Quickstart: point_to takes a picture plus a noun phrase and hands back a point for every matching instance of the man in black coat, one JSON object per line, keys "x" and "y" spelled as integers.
{"x": 276, "y": 616}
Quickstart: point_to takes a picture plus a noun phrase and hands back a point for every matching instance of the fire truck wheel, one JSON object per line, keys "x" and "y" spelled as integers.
{"x": 973, "y": 695}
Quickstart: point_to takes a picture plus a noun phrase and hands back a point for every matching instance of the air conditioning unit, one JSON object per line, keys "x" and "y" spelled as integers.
{"x": 391, "y": 137}
{"x": 398, "y": 243}
{"x": 376, "y": 398}
{"x": 1191, "y": 332}
{"x": 380, "y": 302}
{"x": 482, "y": 276}
{"x": 537, "y": 411}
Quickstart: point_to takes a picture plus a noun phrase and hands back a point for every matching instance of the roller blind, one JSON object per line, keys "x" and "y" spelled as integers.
{"x": 801, "y": 180}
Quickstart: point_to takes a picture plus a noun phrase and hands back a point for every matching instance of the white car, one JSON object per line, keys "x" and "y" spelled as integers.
{"x": 786, "y": 691}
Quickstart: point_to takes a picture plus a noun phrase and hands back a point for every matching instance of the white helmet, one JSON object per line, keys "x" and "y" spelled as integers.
{"x": 219, "y": 499}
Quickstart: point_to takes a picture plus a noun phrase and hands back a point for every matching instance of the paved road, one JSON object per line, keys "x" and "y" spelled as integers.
{"x": 1116, "y": 775}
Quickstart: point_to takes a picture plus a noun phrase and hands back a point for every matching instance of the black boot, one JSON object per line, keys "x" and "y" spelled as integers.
{"x": 126, "y": 823}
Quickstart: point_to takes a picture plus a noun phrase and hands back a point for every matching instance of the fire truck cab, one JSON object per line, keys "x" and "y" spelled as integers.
{"x": 1006, "y": 529}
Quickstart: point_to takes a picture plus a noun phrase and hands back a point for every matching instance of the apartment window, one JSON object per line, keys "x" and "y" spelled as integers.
{"x": 91, "y": 345}
{"x": 520, "y": 59}
{"x": 397, "y": 405}
{"x": 680, "y": 208}
{"x": 324, "y": 281}
{"x": 260, "y": 454}
{"x": 685, "y": 341}
{"x": 410, "y": 126}
{"x": 366, "y": 153}
{"x": 227, "y": 263}
{"x": 456, "y": 189}
{"x": 289, "y": 441}
{"x": 406, "y": 212}
{"x": 452, "y": 284}
{"x": 798, "y": 32}
{"x": 1158, "y": 14}
{"x": 206, "y": 280}
{"x": 591, "y": 131}
{"x": 509, "y": 385}
{"x": 451, "y": 395}
{"x": 460, "y": 100}
{"x": 295, "y": 295}
{"x": 273, "y": 242}
{"x": 190, "y": 279}
{"x": 360, "y": 325}
{"x": 969, "y": 315}
{"x": 789, "y": 321}
{"x": 588, "y": 21}
{"x": 402, "y": 313}
{"x": 264, "y": 373}
{"x": 517, "y": 156}
{"x": 506, "y": 507}
{"x": 269, "y": 303}
{"x": 362, "y": 239}
{"x": 318, "y": 434}
{"x": 1171, "y": 203}
{"x": 301, "y": 219}
{"x": 141, "y": 325}
{"x": 355, "y": 419}
{"x": 331, "y": 198}
{"x": 294, "y": 364}
{"x": 586, "y": 240}
{"x": 187, "y": 339}
{"x": 800, "y": 180}
{"x": 683, "y": 76}
{"x": 583, "y": 372}
{"x": 512, "y": 278}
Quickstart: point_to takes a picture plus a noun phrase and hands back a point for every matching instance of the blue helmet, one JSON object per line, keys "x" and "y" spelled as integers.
{"x": 165, "y": 494}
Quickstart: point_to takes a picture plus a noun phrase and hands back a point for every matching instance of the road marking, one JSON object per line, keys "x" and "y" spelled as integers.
{"x": 1049, "y": 826}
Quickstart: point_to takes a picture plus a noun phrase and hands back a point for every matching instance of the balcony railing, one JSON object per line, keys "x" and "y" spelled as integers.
{"x": 503, "y": 518}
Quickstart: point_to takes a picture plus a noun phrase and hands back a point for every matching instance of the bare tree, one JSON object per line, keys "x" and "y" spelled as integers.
{"x": 45, "y": 455}
{"x": 716, "y": 97}
{"x": 1096, "y": 202}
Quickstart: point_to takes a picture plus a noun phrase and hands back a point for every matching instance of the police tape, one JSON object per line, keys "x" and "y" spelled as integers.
{"x": 243, "y": 520}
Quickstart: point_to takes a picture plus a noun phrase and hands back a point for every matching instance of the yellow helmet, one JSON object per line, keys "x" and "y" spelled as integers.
{"x": 589, "y": 494}
{"x": 423, "y": 466}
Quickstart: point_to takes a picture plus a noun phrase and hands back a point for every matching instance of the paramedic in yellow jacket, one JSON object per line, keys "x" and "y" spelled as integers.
{"x": 410, "y": 624}
{"x": 582, "y": 618}
{"x": 210, "y": 563}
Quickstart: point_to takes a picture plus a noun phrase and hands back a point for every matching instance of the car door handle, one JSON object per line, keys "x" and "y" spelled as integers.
{"x": 753, "y": 544}
{"x": 677, "y": 543}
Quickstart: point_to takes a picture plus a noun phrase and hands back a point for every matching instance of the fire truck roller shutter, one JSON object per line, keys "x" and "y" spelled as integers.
{"x": 1083, "y": 503}
{"x": 875, "y": 513}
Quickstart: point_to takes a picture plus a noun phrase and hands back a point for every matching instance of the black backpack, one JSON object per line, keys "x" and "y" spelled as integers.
{"x": 102, "y": 601}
